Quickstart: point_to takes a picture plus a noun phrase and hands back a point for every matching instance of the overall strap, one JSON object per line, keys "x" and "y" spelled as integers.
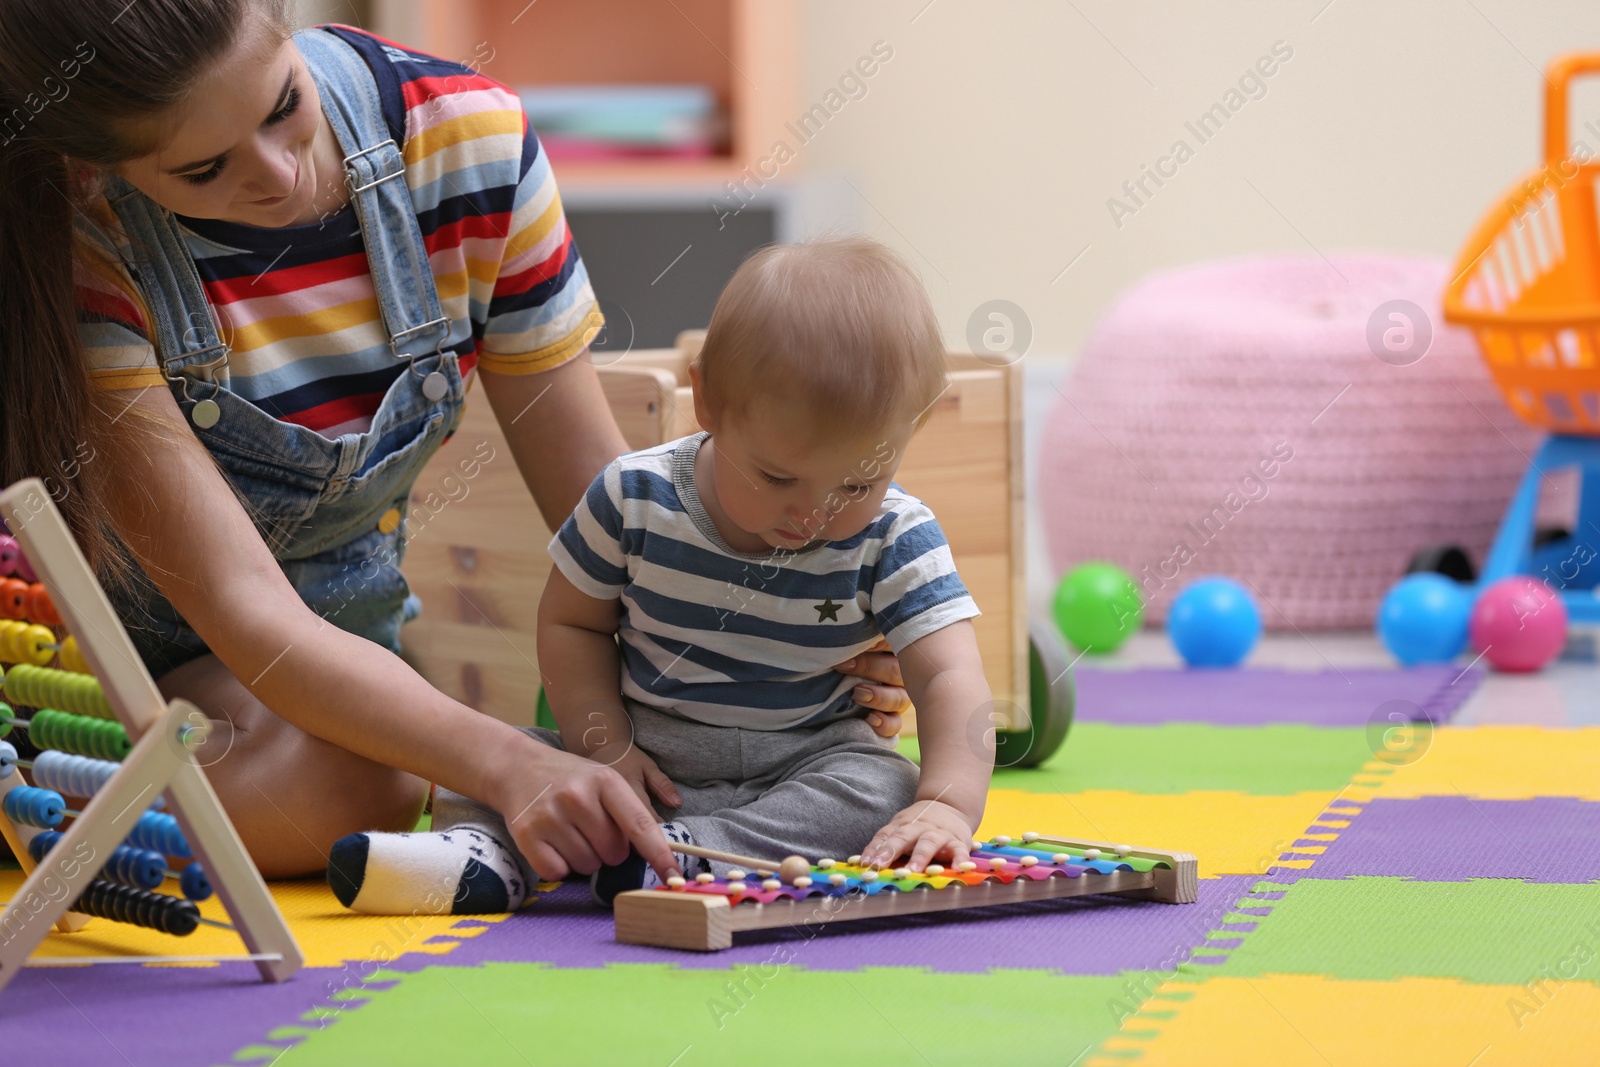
{"x": 375, "y": 171}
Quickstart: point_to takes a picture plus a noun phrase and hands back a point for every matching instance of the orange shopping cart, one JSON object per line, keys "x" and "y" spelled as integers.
{"x": 1527, "y": 284}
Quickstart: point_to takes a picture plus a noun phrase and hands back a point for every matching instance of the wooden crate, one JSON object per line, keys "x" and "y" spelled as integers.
{"x": 476, "y": 553}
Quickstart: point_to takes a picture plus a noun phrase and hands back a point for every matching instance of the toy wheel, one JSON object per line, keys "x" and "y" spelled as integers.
{"x": 1448, "y": 560}
{"x": 1051, "y": 698}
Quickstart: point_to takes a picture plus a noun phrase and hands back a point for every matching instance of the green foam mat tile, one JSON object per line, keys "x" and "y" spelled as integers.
{"x": 659, "y": 1015}
{"x": 1496, "y": 930}
{"x": 1190, "y": 757}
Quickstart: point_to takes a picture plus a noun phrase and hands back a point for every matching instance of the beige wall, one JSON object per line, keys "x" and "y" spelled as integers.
{"x": 987, "y": 147}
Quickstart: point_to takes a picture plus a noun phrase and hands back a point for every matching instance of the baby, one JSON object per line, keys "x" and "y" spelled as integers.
{"x": 737, "y": 566}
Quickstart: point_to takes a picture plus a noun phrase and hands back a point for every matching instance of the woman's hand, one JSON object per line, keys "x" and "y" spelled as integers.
{"x": 882, "y": 688}
{"x": 571, "y": 815}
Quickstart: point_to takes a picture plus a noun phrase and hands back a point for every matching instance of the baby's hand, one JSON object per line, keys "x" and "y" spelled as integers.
{"x": 928, "y": 830}
{"x": 641, "y": 772}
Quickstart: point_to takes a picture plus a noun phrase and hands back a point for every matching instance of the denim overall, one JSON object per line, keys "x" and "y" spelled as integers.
{"x": 331, "y": 510}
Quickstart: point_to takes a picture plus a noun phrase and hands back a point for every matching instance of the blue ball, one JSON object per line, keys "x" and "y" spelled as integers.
{"x": 1214, "y": 623}
{"x": 1423, "y": 619}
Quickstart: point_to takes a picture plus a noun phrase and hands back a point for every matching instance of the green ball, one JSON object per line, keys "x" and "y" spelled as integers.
{"x": 1098, "y": 607}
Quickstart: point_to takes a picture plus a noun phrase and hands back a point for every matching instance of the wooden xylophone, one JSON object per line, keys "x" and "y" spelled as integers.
{"x": 705, "y": 913}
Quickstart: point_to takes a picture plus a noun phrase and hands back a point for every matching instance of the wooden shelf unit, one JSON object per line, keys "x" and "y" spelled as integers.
{"x": 747, "y": 51}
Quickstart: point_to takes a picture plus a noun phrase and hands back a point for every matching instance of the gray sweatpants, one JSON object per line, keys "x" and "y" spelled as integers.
{"x": 815, "y": 792}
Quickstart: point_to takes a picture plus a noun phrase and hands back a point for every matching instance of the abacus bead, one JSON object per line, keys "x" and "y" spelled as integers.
{"x": 5, "y": 718}
{"x": 1029, "y": 861}
{"x": 735, "y": 874}
{"x": 25, "y": 569}
{"x": 193, "y": 882}
{"x": 1030, "y": 837}
{"x": 705, "y": 878}
{"x": 1091, "y": 853}
{"x": 676, "y": 882}
{"x": 9, "y": 551}
{"x": 36, "y": 642}
{"x": 803, "y": 882}
{"x": 771, "y": 883}
{"x": 837, "y": 879}
{"x": 8, "y": 759}
{"x": 13, "y": 597}
{"x": 793, "y": 867}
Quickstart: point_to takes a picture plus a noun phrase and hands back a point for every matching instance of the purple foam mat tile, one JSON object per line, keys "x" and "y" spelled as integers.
{"x": 1250, "y": 696}
{"x": 108, "y": 1013}
{"x": 1082, "y": 936}
{"x": 1451, "y": 839}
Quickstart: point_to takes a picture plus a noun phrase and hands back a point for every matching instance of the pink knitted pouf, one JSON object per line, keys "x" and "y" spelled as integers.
{"x": 1232, "y": 418}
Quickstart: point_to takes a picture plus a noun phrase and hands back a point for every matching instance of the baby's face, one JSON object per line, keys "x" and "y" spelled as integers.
{"x": 780, "y": 479}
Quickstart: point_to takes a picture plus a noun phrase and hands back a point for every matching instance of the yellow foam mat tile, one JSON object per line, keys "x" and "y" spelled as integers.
{"x": 1230, "y": 833}
{"x": 1502, "y": 763}
{"x": 328, "y": 933}
{"x": 1313, "y": 1021}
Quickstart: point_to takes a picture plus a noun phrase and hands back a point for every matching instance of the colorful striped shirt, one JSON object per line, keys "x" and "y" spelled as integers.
{"x": 749, "y": 640}
{"x": 297, "y": 303}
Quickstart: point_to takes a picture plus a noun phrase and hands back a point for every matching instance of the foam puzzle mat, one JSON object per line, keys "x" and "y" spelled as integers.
{"x": 1369, "y": 894}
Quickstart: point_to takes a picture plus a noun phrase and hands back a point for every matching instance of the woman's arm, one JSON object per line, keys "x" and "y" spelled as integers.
{"x": 560, "y": 430}
{"x": 185, "y": 526}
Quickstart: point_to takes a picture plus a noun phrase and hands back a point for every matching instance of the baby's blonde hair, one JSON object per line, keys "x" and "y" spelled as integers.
{"x": 841, "y": 326}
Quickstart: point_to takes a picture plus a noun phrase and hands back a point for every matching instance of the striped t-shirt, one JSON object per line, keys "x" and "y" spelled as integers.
{"x": 740, "y": 639}
{"x": 297, "y": 303}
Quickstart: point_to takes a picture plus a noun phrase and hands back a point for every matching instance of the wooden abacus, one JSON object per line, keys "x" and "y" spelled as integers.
{"x": 705, "y": 913}
{"x": 108, "y": 709}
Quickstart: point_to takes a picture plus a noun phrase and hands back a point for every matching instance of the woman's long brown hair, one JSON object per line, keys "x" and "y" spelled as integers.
{"x": 79, "y": 81}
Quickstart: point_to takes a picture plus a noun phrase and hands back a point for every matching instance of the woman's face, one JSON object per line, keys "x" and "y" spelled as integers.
{"x": 240, "y": 147}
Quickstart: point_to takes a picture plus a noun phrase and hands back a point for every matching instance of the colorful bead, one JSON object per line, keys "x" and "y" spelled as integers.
{"x": 121, "y": 903}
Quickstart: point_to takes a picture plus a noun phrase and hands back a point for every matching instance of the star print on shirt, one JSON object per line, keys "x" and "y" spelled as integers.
{"x": 828, "y": 611}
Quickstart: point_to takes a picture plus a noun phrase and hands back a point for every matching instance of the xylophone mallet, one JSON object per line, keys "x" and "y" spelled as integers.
{"x": 788, "y": 870}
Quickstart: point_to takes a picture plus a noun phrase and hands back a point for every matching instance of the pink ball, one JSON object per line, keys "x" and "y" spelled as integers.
{"x": 1519, "y": 624}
